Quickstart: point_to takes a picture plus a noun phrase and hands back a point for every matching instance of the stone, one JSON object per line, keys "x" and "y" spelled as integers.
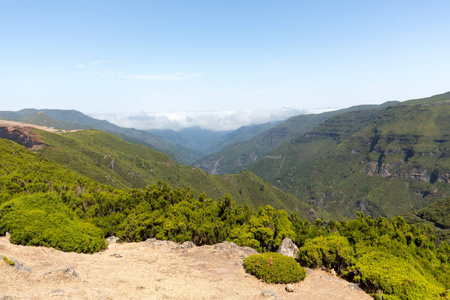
{"x": 6, "y": 297}
{"x": 155, "y": 242}
{"x": 20, "y": 266}
{"x": 117, "y": 255}
{"x": 289, "y": 288}
{"x": 269, "y": 293}
{"x": 57, "y": 293}
{"x": 354, "y": 287}
{"x": 112, "y": 239}
{"x": 62, "y": 274}
{"x": 231, "y": 249}
{"x": 186, "y": 245}
{"x": 288, "y": 248}
{"x": 309, "y": 271}
{"x": 333, "y": 272}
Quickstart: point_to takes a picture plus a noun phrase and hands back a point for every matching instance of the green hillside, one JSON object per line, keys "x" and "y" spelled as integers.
{"x": 382, "y": 162}
{"x": 72, "y": 119}
{"x": 241, "y": 155}
{"x": 110, "y": 160}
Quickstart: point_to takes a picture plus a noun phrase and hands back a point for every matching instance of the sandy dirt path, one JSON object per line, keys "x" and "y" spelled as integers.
{"x": 150, "y": 270}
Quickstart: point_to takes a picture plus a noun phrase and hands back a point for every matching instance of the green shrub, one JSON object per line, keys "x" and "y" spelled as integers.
{"x": 333, "y": 251}
{"x": 43, "y": 220}
{"x": 8, "y": 261}
{"x": 274, "y": 268}
{"x": 396, "y": 277}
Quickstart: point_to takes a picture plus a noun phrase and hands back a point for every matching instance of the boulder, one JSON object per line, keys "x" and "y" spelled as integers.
{"x": 288, "y": 248}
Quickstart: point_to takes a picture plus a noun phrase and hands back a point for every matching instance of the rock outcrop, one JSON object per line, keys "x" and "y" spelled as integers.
{"x": 288, "y": 248}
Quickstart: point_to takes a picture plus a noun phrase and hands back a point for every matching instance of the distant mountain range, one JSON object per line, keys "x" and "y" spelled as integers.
{"x": 185, "y": 146}
{"x": 383, "y": 161}
{"x": 241, "y": 154}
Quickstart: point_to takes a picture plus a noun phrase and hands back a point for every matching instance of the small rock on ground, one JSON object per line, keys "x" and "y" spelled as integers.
{"x": 112, "y": 239}
{"x": 269, "y": 293}
{"x": 289, "y": 288}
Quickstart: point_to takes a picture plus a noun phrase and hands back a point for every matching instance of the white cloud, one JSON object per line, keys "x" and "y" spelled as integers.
{"x": 160, "y": 77}
{"x": 215, "y": 120}
{"x": 91, "y": 69}
{"x": 95, "y": 63}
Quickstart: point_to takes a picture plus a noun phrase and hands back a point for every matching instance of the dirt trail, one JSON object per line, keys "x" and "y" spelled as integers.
{"x": 150, "y": 271}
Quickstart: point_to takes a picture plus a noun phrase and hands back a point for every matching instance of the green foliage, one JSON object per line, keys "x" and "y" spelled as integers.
{"x": 435, "y": 215}
{"x": 43, "y": 220}
{"x": 110, "y": 160}
{"x": 395, "y": 276}
{"x": 383, "y": 161}
{"x": 388, "y": 256}
{"x": 274, "y": 268}
{"x": 8, "y": 261}
{"x": 333, "y": 252}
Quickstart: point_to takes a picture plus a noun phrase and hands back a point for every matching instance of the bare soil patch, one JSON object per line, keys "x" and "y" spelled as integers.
{"x": 150, "y": 271}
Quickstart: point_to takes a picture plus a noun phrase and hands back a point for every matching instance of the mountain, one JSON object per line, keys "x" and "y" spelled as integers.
{"x": 191, "y": 137}
{"x": 110, "y": 160}
{"x": 72, "y": 119}
{"x": 241, "y": 134}
{"x": 384, "y": 161}
{"x": 241, "y": 155}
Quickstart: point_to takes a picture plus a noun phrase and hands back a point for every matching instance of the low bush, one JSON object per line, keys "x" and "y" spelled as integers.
{"x": 274, "y": 268}
{"x": 43, "y": 220}
{"x": 333, "y": 251}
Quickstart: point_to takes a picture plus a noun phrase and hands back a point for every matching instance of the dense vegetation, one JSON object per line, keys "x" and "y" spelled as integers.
{"x": 384, "y": 162}
{"x": 436, "y": 216}
{"x": 110, "y": 160}
{"x": 44, "y": 203}
{"x": 388, "y": 257}
{"x": 274, "y": 268}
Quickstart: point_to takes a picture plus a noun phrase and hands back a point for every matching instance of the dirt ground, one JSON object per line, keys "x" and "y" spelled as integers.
{"x": 150, "y": 270}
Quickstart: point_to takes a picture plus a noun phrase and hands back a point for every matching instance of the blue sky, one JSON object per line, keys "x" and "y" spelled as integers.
{"x": 219, "y": 64}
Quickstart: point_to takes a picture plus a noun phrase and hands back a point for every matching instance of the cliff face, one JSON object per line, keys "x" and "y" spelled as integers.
{"x": 382, "y": 162}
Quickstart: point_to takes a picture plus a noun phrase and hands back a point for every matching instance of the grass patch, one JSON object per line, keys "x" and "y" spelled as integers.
{"x": 8, "y": 261}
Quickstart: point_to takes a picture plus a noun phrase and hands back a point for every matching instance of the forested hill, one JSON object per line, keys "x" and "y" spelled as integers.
{"x": 383, "y": 162}
{"x": 72, "y": 119}
{"x": 110, "y": 160}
